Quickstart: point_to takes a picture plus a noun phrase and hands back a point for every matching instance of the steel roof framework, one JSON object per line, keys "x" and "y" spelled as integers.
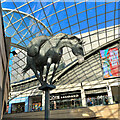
{"x": 23, "y": 35}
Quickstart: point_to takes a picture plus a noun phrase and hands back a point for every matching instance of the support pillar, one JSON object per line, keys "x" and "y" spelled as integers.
{"x": 54, "y": 104}
{"x": 30, "y": 104}
{"x": 83, "y": 97}
{"x": 43, "y": 100}
{"x": 109, "y": 91}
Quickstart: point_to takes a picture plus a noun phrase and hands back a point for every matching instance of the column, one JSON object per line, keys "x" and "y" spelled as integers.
{"x": 0, "y": 100}
{"x": 55, "y": 105}
{"x": 43, "y": 100}
{"x": 83, "y": 97}
{"x": 109, "y": 91}
{"x": 26, "y": 104}
{"x": 10, "y": 108}
{"x": 30, "y": 104}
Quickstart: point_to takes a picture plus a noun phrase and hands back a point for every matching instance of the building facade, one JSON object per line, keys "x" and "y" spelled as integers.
{"x": 76, "y": 85}
{"x": 4, "y": 71}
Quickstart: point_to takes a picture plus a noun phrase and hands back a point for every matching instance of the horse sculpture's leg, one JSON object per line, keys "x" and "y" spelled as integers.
{"x": 54, "y": 71}
{"x": 49, "y": 61}
{"x": 27, "y": 67}
{"x": 41, "y": 72}
{"x": 36, "y": 74}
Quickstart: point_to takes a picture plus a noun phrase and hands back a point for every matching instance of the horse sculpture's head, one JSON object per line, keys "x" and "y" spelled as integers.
{"x": 77, "y": 50}
{"x": 76, "y": 44}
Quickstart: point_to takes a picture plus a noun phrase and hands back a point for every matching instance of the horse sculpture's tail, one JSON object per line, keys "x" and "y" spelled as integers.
{"x": 27, "y": 67}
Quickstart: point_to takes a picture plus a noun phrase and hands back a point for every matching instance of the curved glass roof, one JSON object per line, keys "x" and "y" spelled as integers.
{"x": 95, "y": 22}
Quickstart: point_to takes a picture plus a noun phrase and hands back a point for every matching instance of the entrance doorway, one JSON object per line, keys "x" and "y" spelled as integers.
{"x": 18, "y": 107}
{"x": 35, "y": 103}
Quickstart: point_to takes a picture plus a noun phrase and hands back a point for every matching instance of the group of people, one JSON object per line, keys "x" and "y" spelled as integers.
{"x": 99, "y": 100}
{"x": 89, "y": 101}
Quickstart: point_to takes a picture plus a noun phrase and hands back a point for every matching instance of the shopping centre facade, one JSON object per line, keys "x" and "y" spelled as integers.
{"x": 75, "y": 84}
{"x": 94, "y": 82}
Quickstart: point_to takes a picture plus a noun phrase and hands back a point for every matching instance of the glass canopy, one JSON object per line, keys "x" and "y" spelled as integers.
{"x": 95, "y": 22}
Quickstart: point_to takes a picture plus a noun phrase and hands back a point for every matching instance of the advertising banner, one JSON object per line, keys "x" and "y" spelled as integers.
{"x": 110, "y": 62}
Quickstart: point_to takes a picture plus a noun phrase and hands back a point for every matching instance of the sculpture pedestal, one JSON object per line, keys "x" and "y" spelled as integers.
{"x": 47, "y": 86}
{"x": 47, "y": 89}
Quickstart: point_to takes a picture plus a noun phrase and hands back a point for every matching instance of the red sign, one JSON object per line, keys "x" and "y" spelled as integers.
{"x": 110, "y": 62}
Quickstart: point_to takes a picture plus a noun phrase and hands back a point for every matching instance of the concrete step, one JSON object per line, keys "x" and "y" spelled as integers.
{"x": 94, "y": 112}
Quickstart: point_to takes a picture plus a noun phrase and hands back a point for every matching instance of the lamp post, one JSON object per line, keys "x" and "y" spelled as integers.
{"x": 47, "y": 87}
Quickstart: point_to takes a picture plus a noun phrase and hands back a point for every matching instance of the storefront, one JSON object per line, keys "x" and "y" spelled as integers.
{"x": 64, "y": 100}
{"x": 97, "y": 96}
{"x": 18, "y": 107}
{"x": 19, "y": 104}
{"x": 35, "y": 103}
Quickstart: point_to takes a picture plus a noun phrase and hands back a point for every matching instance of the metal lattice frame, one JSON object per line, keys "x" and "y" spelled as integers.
{"x": 44, "y": 23}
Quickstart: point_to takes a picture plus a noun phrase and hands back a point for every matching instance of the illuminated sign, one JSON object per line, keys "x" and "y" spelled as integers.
{"x": 110, "y": 62}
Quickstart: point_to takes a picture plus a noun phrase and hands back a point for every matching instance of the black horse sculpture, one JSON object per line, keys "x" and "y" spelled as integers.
{"x": 50, "y": 51}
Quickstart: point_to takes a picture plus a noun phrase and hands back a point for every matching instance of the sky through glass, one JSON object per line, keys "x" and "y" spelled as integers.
{"x": 27, "y": 19}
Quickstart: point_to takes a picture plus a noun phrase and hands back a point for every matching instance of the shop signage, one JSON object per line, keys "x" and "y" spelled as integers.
{"x": 96, "y": 91}
{"x": 69, "y": 96}
{"x": 54, "y": 97}
{"x": 110, "y": 62}
{"x": 63, "y": 97}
